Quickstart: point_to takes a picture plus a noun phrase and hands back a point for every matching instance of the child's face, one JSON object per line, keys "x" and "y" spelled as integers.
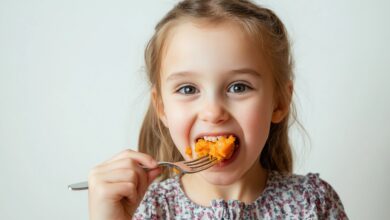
{"x": 215, "y": 82}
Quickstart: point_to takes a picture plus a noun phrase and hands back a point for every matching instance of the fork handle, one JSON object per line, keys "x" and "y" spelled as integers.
{"x": 78, "y": 186}
{"x": 84, "y": 185}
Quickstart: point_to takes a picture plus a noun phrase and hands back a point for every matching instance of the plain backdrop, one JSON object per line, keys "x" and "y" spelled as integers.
{"x": 73, "y": 93}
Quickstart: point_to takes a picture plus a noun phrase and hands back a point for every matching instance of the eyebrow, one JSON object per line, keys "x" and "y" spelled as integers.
{"x": 182, "y": 74}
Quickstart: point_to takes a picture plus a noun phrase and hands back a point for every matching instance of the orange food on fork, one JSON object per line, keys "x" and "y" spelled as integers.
{"x": 175, "y": 170}
{"x": 221, "y": 149}
{"x": 189, "y": 151}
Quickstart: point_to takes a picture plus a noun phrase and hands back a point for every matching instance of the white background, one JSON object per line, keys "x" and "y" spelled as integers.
{"x": 72, "y": 94}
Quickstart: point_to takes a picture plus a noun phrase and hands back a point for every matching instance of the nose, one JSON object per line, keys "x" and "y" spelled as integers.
{"x": 213, "y": 112}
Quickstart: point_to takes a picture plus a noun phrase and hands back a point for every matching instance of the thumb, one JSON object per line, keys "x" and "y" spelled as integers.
{"x": 152, "y": 174}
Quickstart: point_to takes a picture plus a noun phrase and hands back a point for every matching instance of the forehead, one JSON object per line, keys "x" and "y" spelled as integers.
{"x": 206, "y": 47}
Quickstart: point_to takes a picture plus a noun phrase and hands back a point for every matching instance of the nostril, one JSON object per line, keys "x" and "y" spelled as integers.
{"x": 214, "y": 115}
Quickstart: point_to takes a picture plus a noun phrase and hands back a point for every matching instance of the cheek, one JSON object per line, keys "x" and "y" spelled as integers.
{"x": 175, "y": 119}
{"x": 179, "y": 125}
{"x": 256, "y": 124}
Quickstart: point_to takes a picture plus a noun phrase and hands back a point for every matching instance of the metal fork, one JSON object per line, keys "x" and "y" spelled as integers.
{"x": 189, "y": 166}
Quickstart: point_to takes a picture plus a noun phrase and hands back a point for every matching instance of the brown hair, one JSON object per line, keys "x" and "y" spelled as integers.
{"x": 272, "y": 37}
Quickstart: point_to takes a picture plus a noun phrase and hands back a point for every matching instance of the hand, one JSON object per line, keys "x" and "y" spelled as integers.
{"x": 117, "y": 186}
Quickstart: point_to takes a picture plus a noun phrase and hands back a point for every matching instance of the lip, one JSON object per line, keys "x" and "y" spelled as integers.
{"x": 226, "y": 134}
{"x": 201, "y": 135}
{"x": 223, "y": 163}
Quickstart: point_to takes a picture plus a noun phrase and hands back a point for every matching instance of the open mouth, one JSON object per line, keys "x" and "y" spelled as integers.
{"x": 219, "y": 147}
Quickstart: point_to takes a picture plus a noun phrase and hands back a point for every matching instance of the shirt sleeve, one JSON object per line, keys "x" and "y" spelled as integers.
{"x": 327, "y": 201}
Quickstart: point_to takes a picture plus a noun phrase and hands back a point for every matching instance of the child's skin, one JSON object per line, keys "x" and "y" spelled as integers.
{"x": 209, "y": 97}
{"x": 117, "y": 186}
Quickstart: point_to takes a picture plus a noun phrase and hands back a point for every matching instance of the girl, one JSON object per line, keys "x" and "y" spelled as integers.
{"x": 217, "y": 68}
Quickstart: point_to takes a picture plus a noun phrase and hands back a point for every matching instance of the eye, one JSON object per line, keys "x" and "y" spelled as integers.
{"x": 187, "y": 90}
{"x": 238, "y": 88}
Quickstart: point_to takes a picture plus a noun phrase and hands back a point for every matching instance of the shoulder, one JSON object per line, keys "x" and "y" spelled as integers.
{"x": 309, "y": 182}
{"x": 313, "y": 184}
{"x": 309, "y": 193}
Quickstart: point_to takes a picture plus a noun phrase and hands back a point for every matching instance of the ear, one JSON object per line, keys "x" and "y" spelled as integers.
{"x": 158, "y": 106}
{"x": 282, "y": 108}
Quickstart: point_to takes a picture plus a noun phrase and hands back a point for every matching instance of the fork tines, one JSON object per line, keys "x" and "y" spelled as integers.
{"x": 200, "y": 162}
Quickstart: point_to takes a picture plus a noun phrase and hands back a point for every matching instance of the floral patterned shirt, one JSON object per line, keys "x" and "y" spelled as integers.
{"x": 284, "y": 197}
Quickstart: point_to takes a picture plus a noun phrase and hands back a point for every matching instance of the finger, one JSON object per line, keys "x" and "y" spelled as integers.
{"x": 119, "y": 175}
{"x": 125, "y": 163}
{"x": 146, "y": 180}
{"x": 133, "y": 170}
{"x": 124, "y": 170}
{"x": 152, "y": 174}
{"x": 141, "y": 158}
{"x": 142, "y": 184}
{"x": 118, "y": 191}
{"x": 116, "y": 171}
{"x": 119, "y": 155}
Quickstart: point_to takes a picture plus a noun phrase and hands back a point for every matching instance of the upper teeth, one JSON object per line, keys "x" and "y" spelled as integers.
{"x": 211, "y": 138}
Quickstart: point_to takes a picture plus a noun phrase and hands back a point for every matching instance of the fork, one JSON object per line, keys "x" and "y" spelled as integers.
{"x": 186, "y": 166}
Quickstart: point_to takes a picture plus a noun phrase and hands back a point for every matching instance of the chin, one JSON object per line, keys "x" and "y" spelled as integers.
{"x": 218, "y": 178}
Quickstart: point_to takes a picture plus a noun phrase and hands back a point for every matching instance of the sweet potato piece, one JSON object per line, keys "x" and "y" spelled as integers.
{"x": 202, "y": 147}
{"x": 221, "y": 149}
{"x": 225, "y": 147}
{"x": 189, "y": 151}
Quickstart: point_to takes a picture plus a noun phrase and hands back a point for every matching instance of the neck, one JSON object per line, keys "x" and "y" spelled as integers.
{"x": 246, "y": 189}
